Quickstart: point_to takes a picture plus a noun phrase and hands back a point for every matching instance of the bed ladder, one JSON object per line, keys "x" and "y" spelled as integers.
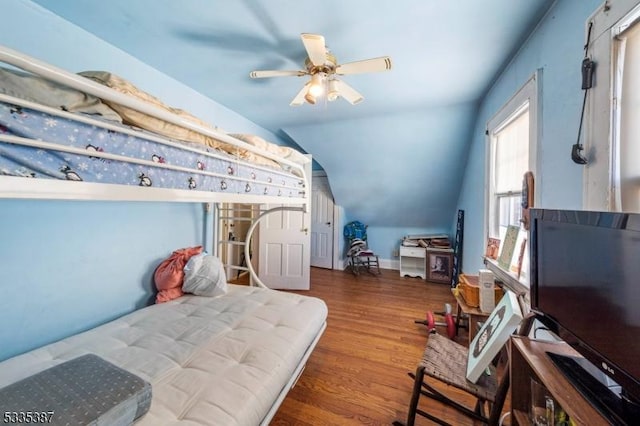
{"x": 233, "y": 222}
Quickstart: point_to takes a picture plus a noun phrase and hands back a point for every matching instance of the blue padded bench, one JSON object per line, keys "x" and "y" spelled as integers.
{"x": 83, "y": 391}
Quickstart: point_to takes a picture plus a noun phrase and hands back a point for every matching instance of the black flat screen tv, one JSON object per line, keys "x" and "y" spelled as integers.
{"x": 585, "y": 287}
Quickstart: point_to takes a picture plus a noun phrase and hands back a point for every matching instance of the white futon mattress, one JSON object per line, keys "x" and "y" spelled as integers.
{"x": 214, "y": 361}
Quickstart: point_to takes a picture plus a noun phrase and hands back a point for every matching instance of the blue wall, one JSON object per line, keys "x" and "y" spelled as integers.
{"x": 66, "y": 266}
{"x": 395, "y": 191}
{"x": 555, "y": 47}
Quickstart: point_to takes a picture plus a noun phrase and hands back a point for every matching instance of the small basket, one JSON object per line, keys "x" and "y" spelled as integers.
{"x": 470, "y": 290}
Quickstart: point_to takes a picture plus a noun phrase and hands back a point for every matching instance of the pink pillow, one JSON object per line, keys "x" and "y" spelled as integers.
{"x": 169, "y": 275}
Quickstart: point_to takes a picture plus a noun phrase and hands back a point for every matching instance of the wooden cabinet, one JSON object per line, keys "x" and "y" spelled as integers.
{"x": 528, "y": 361}
{"x": 413, "y": 262}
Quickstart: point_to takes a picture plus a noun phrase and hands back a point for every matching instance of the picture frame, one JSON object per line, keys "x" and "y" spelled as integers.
{"x": 508, "y": 247}
{"x": 518, "y": 266}
{"x": 440, "y": 265}
{"x": 493, "y": 248}
{"x": 493, "y": 335}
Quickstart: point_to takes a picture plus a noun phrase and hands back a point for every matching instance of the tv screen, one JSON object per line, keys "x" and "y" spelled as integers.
{"x": 585, "y": 286}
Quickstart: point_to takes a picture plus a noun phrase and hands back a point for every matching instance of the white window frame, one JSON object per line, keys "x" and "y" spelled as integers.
{"x": 631, "y": 21}
{"x": 528, "y": 94}
{"x": 599, "y": 191}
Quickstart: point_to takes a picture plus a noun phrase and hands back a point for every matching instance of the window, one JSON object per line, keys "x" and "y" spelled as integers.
{"x": 509, "y": 162}
{"x": 611, "y": 180}
{"x": 626, "y": 110}
{"x": 511, "y": 144}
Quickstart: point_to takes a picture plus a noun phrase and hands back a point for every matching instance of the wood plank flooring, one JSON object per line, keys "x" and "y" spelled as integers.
{"x": 358, "y": 373}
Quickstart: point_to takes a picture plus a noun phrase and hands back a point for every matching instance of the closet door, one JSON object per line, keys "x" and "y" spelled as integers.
{"x": 322, "y": 224}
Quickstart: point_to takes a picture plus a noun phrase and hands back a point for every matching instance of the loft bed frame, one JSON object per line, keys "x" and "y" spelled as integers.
{"x": 18, "y": 187}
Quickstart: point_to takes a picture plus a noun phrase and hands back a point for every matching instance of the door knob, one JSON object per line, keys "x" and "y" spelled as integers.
{"x": 328, "y": 223}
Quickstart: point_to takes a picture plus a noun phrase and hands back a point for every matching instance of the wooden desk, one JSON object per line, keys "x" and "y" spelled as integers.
{"x": 474, "y": 315}
{"x": 528, "y": 361}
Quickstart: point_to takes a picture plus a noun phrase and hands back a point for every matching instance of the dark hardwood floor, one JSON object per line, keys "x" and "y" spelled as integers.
{"x": 357, "y": 374}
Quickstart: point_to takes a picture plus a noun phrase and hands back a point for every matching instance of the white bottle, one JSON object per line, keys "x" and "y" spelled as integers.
{"x": 486, "y": 290}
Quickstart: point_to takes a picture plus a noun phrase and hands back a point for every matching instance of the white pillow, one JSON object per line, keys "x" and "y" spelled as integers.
{"x": 204, "y": 276}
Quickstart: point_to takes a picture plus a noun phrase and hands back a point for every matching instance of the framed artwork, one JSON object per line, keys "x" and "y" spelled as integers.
{"x": 440, "y": 264}
{"x": 508, "y": 247}
{"x": 527, "y": 198}
{"x": 493, "y": 335}
{"x": 518, "y": 266}
{"x": 493, "y": 248}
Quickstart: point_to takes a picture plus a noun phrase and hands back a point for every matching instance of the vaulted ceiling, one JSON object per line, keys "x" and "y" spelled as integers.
{"x": 395, "y": 159}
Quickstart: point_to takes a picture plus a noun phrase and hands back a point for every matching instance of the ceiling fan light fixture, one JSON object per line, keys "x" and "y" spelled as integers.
{"x": 310, "y": 98}
{"x": 333, "y": 93}
{"x": 316, "y": 88}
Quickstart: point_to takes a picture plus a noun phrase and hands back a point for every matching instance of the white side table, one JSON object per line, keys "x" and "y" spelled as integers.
{"x": 413, "y": 262}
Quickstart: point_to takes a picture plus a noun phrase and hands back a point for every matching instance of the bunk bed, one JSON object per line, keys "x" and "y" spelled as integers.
{"x": 229, "y": 359}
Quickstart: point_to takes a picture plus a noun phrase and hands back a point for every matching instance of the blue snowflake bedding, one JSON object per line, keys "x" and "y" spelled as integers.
{"x": 149, "y": 164}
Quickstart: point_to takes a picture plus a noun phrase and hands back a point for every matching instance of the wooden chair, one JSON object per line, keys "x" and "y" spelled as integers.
{"x": 445, "y": 361}
{"x": 358, "y": 262}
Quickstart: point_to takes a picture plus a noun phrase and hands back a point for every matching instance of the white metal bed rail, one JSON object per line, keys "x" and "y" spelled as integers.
{"x": 125, "y": 130}
{"x": 17, "y": 140}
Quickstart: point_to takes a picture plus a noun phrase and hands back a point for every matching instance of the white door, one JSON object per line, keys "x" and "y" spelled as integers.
{"x": 321, "y": 224}
{"x": 283, "y": 255}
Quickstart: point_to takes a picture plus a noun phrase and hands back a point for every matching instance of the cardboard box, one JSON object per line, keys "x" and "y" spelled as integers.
{"x": 469, "y": 288}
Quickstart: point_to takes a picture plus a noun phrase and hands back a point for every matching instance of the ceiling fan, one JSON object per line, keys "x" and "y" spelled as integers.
{"x": 323, "y": 68}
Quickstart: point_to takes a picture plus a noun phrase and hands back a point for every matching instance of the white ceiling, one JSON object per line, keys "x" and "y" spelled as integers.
{"x": 445, "y": 54}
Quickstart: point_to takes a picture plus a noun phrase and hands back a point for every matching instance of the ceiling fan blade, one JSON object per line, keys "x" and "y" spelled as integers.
{"x": 276, "y": 73}
{"x": 316, "y": 49}
{"x": 382, "y": 63}
{"x": 348, "y": 92}
{"x": 299, "y": 99}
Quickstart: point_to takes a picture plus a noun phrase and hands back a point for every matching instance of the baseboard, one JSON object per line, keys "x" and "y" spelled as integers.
{"x": 390, "y": 264}
{"x": 384, "y": 264}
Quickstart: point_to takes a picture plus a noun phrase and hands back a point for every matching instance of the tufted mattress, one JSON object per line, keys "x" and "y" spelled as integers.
{"x": 227, "y": 360}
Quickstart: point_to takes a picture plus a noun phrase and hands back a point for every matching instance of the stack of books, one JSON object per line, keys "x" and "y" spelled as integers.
{"x": 426, "y": 240}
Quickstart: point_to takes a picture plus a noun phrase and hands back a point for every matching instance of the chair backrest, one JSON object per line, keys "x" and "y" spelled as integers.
{"x": 355, "y": 230}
